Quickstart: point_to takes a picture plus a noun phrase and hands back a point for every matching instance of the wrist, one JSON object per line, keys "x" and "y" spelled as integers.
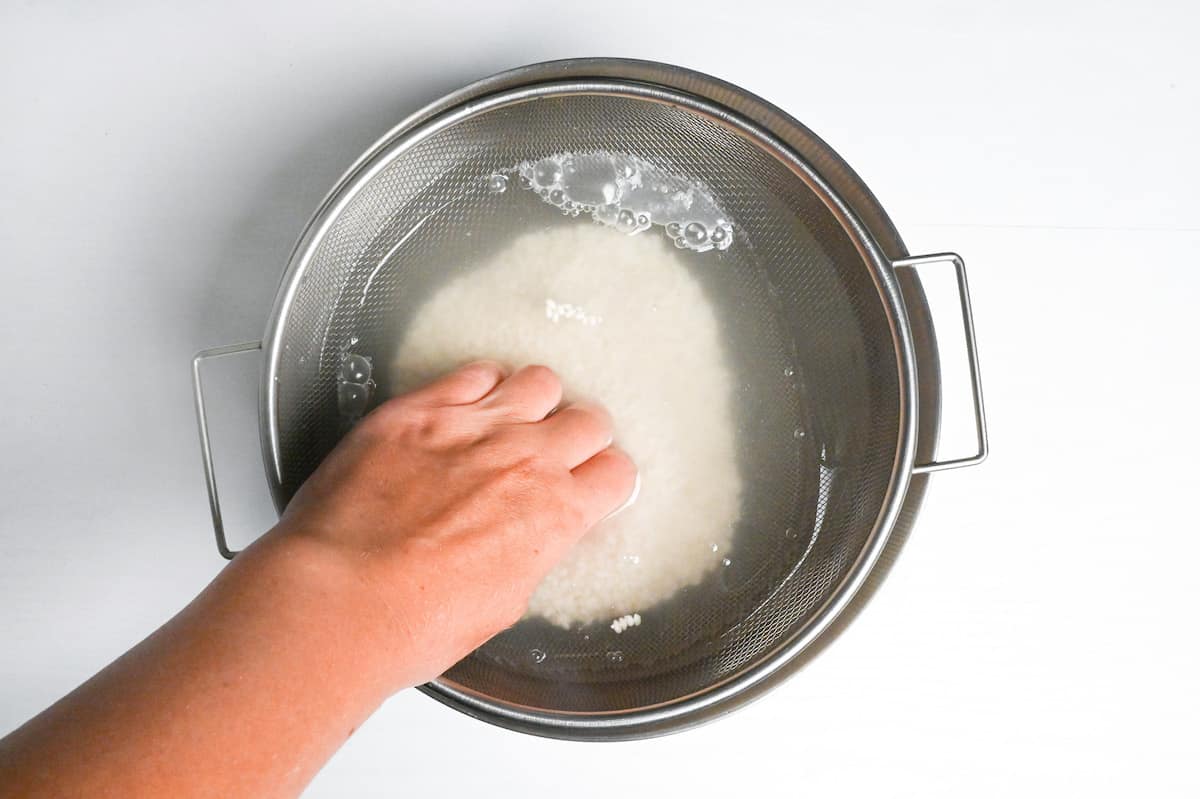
{"x": 325, "y": 596}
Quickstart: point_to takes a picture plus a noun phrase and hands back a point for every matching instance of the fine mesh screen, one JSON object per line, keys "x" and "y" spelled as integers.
{"x": 805, "y": 330}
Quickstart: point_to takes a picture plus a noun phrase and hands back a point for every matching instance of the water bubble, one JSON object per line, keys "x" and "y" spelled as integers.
{"x": 537, "y": 655}
{"x": 352, "y": 399}
{"x": 497, "y": 184}
{"x": 714, "y": 547}
{"x": 695, "y": 233}
{"x": 590, "y": 178}
{"x": 607, "y": 214}
{"x": 797, "y": 434}
{"x": 632, "y": 560}
{"x": 629, "y": 194}
{"x": 355, "y": 369}
{"x": 737, "y": 574}
{"x": 615, "y": 655}
{"x": 790, "y": 532}
{"x": 788, "y": 371}
{"x": 547, "y": 172}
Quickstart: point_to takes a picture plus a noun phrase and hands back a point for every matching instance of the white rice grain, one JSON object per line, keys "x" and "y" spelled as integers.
{"x": 623, "y": 322}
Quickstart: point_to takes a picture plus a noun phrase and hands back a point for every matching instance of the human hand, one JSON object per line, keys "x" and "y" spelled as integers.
{"x": 421, "y": 535}
{"x": 452, "y": 502}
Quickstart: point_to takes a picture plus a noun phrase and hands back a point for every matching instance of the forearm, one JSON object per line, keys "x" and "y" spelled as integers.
{"x": 246, "y": 692}
{"x": 422, "y": 535}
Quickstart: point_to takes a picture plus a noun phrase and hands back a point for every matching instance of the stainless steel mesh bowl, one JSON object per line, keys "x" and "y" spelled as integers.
{"x": 830, "y": 336}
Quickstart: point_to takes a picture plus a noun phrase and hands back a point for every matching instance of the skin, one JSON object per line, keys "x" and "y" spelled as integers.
{"x": 422, "y": 535}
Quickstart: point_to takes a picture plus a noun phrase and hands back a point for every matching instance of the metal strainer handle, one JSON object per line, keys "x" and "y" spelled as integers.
{"x": 964, "y": 298}
{"x": 210, "y": 477}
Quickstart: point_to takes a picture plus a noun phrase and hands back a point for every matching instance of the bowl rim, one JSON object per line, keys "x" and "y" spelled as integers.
{"x": 844, "y": 195}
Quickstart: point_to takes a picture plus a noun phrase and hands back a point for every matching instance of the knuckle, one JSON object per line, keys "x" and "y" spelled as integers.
{"x": 602, "y": 421}
{"x": 545, "y": 376}
{"x": 527, "y": 472}
{"x": 625, "y": 463}
{"x": 484, "y": 365}
{"x": 535, "y": 488}
{"x": 418, "y": 420}
{"x": 478, "y": 372}
{"x": 421, "y": 425}
{"x": 624, "y": 471}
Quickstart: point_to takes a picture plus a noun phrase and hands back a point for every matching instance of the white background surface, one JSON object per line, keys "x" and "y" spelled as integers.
{"x": 1038, "y": 636}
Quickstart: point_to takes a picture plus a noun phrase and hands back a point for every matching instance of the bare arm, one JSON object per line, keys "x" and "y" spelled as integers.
{"x": 421, "y": 536}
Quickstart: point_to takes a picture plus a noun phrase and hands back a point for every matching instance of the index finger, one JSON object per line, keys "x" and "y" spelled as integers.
{"x": 463, "y": 386}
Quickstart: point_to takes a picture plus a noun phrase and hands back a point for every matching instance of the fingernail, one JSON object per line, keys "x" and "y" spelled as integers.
{"x": 633, "y": 495}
